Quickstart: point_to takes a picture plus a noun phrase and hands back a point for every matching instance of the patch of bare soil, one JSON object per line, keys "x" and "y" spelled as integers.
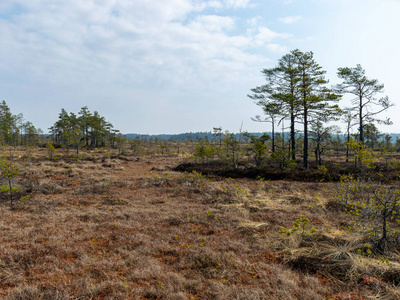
{"x": 227, "y": 170}
{"x": 329, "y": 173}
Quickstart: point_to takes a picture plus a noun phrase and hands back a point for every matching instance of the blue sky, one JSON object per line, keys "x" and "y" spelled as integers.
{"x": 156, "y": 66}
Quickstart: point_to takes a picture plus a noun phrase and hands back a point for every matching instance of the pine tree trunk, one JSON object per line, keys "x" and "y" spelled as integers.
{"x": 305, "y": 150}
{"x": 292, "y": 137}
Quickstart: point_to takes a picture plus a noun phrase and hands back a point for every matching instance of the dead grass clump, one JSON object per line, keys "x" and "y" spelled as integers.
{"x": 156, "y": 180}
{"x": 253, "y": 227}
{"x": 108, "y": 165}
{"x": 335, "y": 206}
{"x": 173, "y": 221}
{"x": 229, "y": 193}
{"x": 288, "y": 187}
{"x": 99, "y": 189}
{"x": 193, "y": 180}
{"x": 48, "y": 189}
{"x": 207, "y": 266}
{"x": 239, "y": 292}
{"x": 392, "y": 275}
{"x": 109, "y": 199}
{"x": 122, "y": 183}
{"x": 149, "y": 268}
{"x": 268, "y": 282}
{"x": 342, "y": 259}
{"x": 388, "y": 292}
{"x": 296, "y": 200}
{"x": 285, "y": 284}
{"x": 35, "y": 293}
{"x": 72, "y": 172}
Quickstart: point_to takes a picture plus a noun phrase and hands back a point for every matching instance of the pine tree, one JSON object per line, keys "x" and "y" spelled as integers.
{"x": 314, "y": 96}
{"x": 367, "y": 106}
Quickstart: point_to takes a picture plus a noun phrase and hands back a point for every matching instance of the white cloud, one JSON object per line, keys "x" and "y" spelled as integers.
{"x": 265, "y": 35}
{"x": 113, "y": 41}
{"x": 83, "y": 51}
{"x": 277, "y": 48}
{"x": 214, "y": 4}
{"x": 290, "y": 19}
{"x": 237, "y": 3}
{"x": 253, "y": 22}
{"x": 212, "y": 23}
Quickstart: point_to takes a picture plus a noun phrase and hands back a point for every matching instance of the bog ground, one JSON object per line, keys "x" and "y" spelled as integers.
{"x": 129, "y": 227}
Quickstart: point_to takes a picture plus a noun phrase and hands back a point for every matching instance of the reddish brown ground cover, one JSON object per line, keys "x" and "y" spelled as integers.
{"x": 111, "y": 228}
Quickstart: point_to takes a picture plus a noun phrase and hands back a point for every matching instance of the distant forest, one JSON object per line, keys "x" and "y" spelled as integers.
{"x": 193, "y": 136}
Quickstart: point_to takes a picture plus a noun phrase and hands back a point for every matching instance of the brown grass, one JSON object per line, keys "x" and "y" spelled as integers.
{"x": 107, "y": 228}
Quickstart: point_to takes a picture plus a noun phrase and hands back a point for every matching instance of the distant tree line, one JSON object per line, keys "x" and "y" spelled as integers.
{"x": 211, "y": 136}
{"x": 83, "y": 129}
{"x": 187, "y": 136}
{"x": 70, "y": 130}
{"x": 14, "y": 130}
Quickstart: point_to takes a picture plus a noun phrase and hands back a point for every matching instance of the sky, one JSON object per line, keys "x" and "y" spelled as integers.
{"x": 157, "y": 66}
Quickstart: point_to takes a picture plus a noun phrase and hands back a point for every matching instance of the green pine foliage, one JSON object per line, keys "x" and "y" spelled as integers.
{"x": 14, "y": 130}
{"x": 85, "y": 129}
{"x": 8, "y": 172}
{"x": 373, "y": 207}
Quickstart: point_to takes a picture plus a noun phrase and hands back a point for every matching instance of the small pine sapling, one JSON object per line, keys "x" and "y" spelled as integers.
{"x": 9, "y": 172}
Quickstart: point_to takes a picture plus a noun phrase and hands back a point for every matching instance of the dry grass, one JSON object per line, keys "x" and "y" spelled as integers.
{"x": 103, "y": 228}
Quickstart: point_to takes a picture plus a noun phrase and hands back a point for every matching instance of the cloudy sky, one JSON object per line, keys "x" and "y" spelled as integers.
{"x": 171, "y": 66}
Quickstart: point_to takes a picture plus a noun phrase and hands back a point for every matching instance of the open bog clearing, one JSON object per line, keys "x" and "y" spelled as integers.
{"x": 130, "y": 227}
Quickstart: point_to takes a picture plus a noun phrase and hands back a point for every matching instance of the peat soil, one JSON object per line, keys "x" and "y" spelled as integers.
{"x": 330, "y": 172}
